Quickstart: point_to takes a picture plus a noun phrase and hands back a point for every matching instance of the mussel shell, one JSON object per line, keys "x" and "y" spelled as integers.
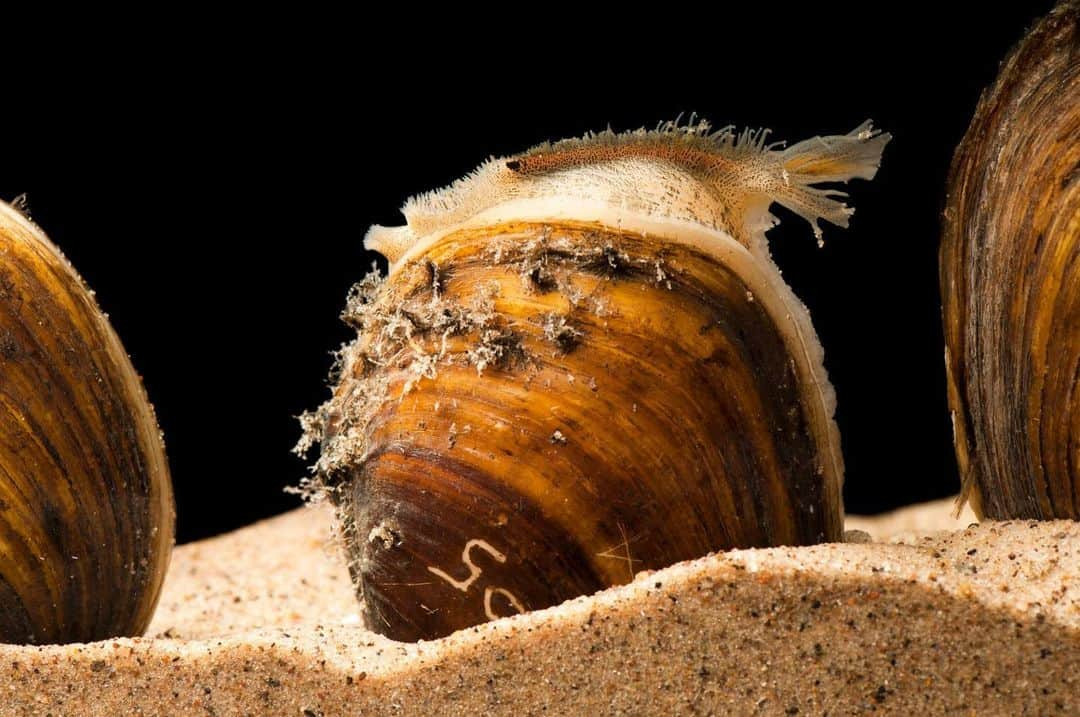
{"x": 86, "y": 505}
{"x": 1010, "y": 282}
{"x": 605, "y": 402}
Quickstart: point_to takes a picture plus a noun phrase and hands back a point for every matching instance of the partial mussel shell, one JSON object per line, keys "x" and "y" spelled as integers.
{"x": 1010, "y": 282}
{"x": 86, "y": 506}
{"x": 582, "y": 365}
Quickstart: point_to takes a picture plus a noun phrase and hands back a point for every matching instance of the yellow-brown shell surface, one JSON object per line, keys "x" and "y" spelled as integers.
{"x": 86, "y": 506}
{"x": 582, "y": 365}
{"x": 1010, "y": 281}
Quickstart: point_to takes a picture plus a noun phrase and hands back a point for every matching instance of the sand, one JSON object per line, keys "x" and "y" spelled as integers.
{"x": 934, "y": 615}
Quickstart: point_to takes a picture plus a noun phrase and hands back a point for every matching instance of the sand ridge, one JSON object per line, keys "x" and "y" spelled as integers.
{"x": 936, "y": 616}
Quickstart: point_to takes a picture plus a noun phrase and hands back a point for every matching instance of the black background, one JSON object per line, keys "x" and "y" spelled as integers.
{"x": 214, "y": 188}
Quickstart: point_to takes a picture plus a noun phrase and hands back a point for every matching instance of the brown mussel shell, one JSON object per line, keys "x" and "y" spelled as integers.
{"x": 1010, "y": 282}
{"x": 582, "y": 365}
{"x": 86, "y": 506}
{"x": 666, "y": 425}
